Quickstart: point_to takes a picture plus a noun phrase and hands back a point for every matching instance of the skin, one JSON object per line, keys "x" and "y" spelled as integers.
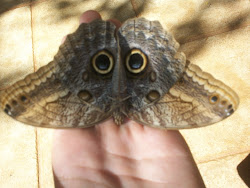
{"x": 130, "y": 155}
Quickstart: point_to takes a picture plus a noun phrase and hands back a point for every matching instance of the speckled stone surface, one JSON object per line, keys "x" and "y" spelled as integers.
{"x": 214, "y": 35}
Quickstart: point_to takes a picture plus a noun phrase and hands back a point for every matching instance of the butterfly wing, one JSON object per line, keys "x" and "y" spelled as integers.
{"x": 196, "y": 100}
{"x": 67, "y": 92}
{"x": 152, "y": 61}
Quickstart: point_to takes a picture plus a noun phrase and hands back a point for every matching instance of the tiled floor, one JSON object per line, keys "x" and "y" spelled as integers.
{"x": 214, "y": 34}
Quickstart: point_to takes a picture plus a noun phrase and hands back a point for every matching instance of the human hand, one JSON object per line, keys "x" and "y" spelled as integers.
{"x": 130, "y": 155}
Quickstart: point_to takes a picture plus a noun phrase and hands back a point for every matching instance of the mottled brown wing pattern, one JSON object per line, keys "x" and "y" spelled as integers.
{"x": 196, "y": 100}
{"x": 164, "y": 61}
{"x": 66, "y": 92}
{"x": 44, "y": 102}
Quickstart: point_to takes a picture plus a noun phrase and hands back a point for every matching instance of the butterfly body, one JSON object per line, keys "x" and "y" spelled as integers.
{"x": 135, "y": 72}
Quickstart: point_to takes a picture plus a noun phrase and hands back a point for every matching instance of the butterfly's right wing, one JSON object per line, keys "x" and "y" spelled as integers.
{"x": 196, "y": 100}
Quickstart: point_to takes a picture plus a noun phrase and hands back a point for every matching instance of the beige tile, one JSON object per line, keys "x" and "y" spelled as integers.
{"x": 16, "y": 45}
{"x": 18, "y": 157}
{"x": 196, "y": 19}
{"x": 226, "y": 56}
{"x": 223, "y": 173}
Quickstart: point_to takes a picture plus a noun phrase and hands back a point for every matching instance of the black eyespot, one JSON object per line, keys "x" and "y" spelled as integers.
{"x": 230, "y": 112}
{"x": 214, "y": 99}
{"x": 136, "y": 61}
{"x": 23, "y": 99}
{"x": 7, "y": 107}
{"x": 103, "y": 62}
{"x": 6, "y": 111}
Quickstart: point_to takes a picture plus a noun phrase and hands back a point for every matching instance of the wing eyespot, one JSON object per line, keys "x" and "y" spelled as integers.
{"x": 24, "y": 99}
{"x": 213, "y": 99}
{"x": 136, "y": 61}
{"x": 153, "y": 96}
{"x": 7, "y": 109}
{"x": 103, "y": 62}
{"x": 85, "y": 95}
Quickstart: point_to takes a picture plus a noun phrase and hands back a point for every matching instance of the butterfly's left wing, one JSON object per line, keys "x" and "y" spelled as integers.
{"x": 196, "y": 100}
{"x": 68, "y": 92}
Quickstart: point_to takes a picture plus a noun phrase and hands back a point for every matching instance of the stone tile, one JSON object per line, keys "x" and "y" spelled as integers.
{"x": 16, "y": 46}
{"x": 223, "y": 172}
{"x": 17, "y": 154}
{"x": 226, "y": 56}
{"x": 17, "y": 141}
{"x": 195, "y": 19}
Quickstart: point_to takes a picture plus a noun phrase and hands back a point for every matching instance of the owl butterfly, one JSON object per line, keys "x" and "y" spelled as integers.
{"x": 135, "y": 72}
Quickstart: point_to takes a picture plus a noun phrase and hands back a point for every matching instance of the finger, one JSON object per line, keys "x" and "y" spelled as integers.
{"x": 92, "y": 15}
{"x": 116, "y": 22}
{"x": 89, "y": 16}
{"x": 63, "y": 39}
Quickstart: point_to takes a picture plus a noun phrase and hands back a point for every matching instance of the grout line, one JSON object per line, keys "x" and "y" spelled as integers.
{"x": 32, "y": 43}
{"x": 35, "y": 68}
{"x": 32, "y": 39}
{"x": 223, "y": 157}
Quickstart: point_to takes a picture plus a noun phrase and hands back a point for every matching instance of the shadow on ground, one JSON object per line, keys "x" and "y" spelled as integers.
{"x": 193, "y": 30}
{"x": 6, "y": 5}
{"x": 62, "y": 5}
{"x": 244, "y": 170}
